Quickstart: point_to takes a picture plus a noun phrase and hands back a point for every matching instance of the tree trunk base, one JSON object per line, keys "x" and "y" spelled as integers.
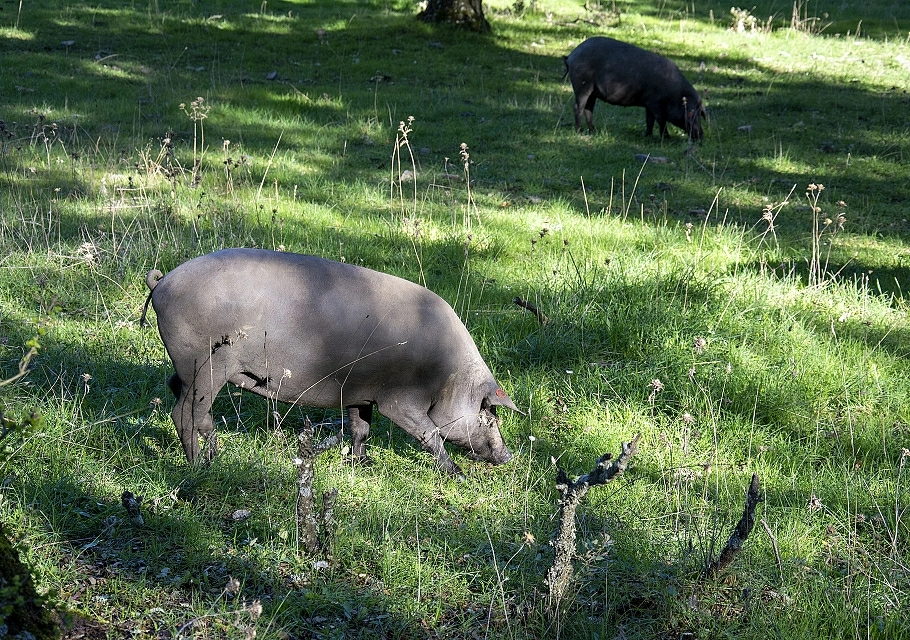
{"x": 21, "y": 608}
{"x": 466, "y": 13}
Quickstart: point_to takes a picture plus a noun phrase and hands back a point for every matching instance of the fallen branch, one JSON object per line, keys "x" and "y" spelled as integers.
{"x": 524, "y": 304}
{"x": 313, "y": 533}
{"x": 740, "y": 533}
{"x": 559, "y": 576}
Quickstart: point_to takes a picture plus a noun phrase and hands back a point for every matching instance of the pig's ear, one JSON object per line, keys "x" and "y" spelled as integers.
{"x": 500, "y": 398}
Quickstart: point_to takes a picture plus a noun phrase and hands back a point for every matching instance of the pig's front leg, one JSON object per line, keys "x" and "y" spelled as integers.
{"x": 421, "y": 427}
{"x": 433, "y": 442}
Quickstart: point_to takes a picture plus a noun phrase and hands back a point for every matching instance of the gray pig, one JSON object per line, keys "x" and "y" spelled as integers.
{"x": 623, "y": 74}
{"x": 314, "y": 332}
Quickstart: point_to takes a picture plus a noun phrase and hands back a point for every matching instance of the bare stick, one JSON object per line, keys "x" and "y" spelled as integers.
{"x": 559, "y": 576}
{"x": 307, "y": 534}
{"x": 541, "y": 318}
{"x": 780, "y": 565}
{"x": 740, "y": 533}
{"x": 23, "y": 366}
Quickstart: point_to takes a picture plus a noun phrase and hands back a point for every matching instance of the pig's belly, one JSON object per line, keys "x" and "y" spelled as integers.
{"x": 331, "y": 389}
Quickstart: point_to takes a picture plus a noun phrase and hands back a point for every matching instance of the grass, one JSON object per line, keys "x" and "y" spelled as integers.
{"x": 777, "y": 333}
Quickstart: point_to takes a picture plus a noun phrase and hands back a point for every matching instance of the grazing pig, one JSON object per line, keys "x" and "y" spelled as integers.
{"x": 623, "y": 74}
{"x": 314, "y": 332}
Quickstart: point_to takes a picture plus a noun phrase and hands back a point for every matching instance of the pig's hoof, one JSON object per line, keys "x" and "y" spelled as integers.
{"x": 362, "y": 461}
{"x": 456, "y": 472}
{"x": 210, "y": 442}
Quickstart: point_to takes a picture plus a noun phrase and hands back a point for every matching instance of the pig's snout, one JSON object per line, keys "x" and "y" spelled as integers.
{"x": 499, "y": 455}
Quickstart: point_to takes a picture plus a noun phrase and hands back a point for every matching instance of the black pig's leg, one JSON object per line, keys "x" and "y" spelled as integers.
{"x": 584, "y": 106}
{"x": 418, "y": 424}
{"x": 191, "y": 413}
{"x": 649, "y": 122}
{"x": 589, "y": 112}
{"x": 359, "y": 417}
{"x": 658, "y": 111}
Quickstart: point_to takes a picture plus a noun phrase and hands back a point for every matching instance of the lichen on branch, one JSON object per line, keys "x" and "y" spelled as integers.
{"x": 559, "y": 575}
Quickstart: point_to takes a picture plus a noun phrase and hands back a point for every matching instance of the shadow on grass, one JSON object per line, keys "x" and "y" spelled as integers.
{"x": 334, "y": 87}
{"x": 170, "y": 554}
{"x": 359, "y": 73}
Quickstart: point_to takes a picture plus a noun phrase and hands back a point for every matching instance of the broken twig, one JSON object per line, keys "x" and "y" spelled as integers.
{"x": 131, "y": 504}
{"x": 559, "y": 576}
{"x": 524, "y": 304}
{"x": 740, "y": 533}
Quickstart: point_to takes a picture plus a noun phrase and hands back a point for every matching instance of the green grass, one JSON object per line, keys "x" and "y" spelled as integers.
{"x": 656, "y": 272}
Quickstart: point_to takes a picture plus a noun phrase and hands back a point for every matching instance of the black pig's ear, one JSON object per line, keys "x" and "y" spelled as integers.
{"x": 500, "y": 398}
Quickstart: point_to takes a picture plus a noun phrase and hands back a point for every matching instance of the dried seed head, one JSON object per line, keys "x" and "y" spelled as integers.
{"x": 814, "y": 504}
{"x": 254, "y": 609}
{"x": 232, "y": 588}
{"x": 656, "y": 387}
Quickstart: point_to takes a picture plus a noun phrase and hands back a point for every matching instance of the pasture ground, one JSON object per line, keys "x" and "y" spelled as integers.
{"x": 721, "y": 303}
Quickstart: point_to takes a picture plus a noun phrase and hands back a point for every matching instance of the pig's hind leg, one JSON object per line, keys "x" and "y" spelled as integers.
{"x": 655, "y": 113}
{"x": 359, "y": 417}
{"x": 649, "y": 122}
{"x": 585, "y": 97}
{"x": 192, "y": 415}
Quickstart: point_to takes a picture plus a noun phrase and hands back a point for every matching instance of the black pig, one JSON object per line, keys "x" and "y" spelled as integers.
{"x": 623, "y": 74}
{"x": 314, "y": 332}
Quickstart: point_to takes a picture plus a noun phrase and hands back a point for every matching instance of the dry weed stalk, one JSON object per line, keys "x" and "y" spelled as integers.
{"x": 398, "y": 176}
{"x": 823, "y": 228}
{"x": 197, "y": 112}
{"x": 800, "y": 19}
{"x": 769, "y": 217}
{"x": 470, "y": 205}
